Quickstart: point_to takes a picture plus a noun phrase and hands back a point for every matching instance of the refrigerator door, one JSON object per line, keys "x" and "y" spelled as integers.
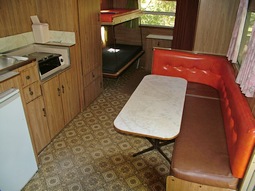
{"x": 17, "y": 161}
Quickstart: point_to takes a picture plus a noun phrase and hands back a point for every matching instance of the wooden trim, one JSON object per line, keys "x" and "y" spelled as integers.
{"x": 176, "y": 184}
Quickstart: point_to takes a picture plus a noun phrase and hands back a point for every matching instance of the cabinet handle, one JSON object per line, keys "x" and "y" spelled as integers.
{"x": 44, "y": 112}
{"x": 93, "y": 75}
{"x": 27, "y": 77}
{"x": 63, "y": 89}
{"x": 30, "y": 91}
{"x": 59, "y": 91}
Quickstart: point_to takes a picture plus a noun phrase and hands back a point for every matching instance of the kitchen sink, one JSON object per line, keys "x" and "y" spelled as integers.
{"x": 7, "y": 62}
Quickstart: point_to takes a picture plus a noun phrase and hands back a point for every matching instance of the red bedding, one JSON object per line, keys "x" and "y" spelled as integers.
{"x": 109, "y": 14}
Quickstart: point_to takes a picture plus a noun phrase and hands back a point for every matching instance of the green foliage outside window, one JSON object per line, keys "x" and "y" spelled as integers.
{"x": 158, "y": 13}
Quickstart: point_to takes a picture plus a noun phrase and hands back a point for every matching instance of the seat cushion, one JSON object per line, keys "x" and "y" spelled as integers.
{"x": 200, "y": 152}
{"x": 201, "y": 90}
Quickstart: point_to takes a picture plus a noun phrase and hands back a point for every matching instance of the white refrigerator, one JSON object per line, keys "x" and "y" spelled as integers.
{"x": 17, "y": 160}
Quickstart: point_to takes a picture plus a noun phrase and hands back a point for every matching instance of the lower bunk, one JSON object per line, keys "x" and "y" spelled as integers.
{"x": 118, "y": 57}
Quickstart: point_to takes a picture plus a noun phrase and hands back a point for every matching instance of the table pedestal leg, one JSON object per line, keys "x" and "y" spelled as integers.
{"x": 156, "y": 144}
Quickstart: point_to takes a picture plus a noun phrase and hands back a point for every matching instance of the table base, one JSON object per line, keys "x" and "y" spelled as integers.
{"x": 156, "y": 144}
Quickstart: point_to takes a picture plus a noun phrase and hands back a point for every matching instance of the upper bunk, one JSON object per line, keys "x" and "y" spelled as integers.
{"x": 117, "y": 16}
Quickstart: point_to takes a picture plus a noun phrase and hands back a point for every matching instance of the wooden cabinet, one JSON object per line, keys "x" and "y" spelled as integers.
{"x": 31, "y": 91}
{"x": 34, "y": 106}
{"x": 152, "y": 40}
{"x": 52, "y": 97}
{"x": 61, "y": 100}
{"x": 38, "y": 123}
{"x": 93, "y": 85}
{"x": 70, "y": 94}
{"x": 91, "y": 48}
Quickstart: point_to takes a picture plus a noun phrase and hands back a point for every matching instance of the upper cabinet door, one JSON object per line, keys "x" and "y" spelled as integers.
{"x": 89, "y": 21}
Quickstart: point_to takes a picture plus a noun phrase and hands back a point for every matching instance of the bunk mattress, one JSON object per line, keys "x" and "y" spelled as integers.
{"x": 117, "y": 16}
{"x": 118, "y": 57}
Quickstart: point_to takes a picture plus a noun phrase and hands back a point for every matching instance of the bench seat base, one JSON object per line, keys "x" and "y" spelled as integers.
{"x": 174, "y": 184}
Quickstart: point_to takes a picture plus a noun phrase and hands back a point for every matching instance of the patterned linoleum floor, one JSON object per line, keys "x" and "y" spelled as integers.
{"x": 89, "y": 155}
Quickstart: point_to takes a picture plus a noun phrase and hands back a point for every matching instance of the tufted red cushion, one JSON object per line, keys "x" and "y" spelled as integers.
{"x": 217, "y": 72}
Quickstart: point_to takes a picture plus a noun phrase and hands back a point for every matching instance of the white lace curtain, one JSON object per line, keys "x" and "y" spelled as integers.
{"x": 246, "y": 75}
{"x": 238, "y": 31}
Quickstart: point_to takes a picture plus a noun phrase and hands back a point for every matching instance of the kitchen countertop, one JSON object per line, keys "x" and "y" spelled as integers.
{"x": 52, "y": 47}
{"x": 8, "y": 72}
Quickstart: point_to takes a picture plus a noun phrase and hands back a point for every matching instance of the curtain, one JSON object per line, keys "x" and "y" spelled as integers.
{"x": 237, "y": 32}
{"x": 246, "y": 75}
{"x": 185, "y": 24}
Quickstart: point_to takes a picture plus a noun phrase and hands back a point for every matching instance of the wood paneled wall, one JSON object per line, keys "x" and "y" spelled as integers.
{"x": 61, "y": 15}
{"x": 216, "y": 19}
{"x": 15, "y": 16}
{"x": 120, "y": 3}
{"x": 136, "y": 36}
{"x": 106, "y": 4}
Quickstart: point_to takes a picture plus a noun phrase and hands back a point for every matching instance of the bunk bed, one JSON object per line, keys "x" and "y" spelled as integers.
{"x": 118, "y": 57}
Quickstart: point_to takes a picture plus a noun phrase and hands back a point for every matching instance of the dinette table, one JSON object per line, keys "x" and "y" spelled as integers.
{"x": 154, "y": 111}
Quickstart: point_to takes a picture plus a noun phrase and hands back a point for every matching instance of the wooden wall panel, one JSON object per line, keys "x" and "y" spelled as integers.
{"x": 15, "y": 16}
{"x": 120, "y": 3}
{"x": 136, "y": 36}
{"x": 216, "y": 19}
{"x": 106, "y": 4}
{"x": 58, "y": 14}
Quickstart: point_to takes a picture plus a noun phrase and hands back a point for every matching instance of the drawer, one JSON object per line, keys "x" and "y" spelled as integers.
{"x": 29, "y": 75}
{"x": 32, "y": 91}
{"x": 91, "y": 76}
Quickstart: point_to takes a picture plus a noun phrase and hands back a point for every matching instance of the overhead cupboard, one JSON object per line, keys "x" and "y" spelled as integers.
{"x": 118, "y": 57}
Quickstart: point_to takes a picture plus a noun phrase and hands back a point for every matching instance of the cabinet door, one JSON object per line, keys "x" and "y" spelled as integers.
{"x": 89, "y": 22}
{"x": 38, "y": 123}
{"x": 53, "y": 105}
{"x": 69, "y": 95}
{"x": 93, "y": 90}
{"x": 91, "y": 47}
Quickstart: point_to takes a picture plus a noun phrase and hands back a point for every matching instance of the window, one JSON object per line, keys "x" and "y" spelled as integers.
{"x": 159, "y": 13}
{"x": 250, "y": 18}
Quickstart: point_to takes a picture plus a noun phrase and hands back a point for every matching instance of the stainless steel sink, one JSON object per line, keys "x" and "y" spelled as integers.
{"x": 9, "y": 61}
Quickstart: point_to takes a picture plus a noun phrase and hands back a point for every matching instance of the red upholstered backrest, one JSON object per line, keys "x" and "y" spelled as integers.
{"x": 217, "y": 72}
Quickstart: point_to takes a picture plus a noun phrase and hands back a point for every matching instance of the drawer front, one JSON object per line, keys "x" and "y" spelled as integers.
{"x": 32, "y": 91}
{"x": 28, "y": 76}
{"x": 91, "y": 76}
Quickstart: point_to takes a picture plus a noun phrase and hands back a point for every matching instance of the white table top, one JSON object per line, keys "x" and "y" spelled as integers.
{"x": 155, "y": 108}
